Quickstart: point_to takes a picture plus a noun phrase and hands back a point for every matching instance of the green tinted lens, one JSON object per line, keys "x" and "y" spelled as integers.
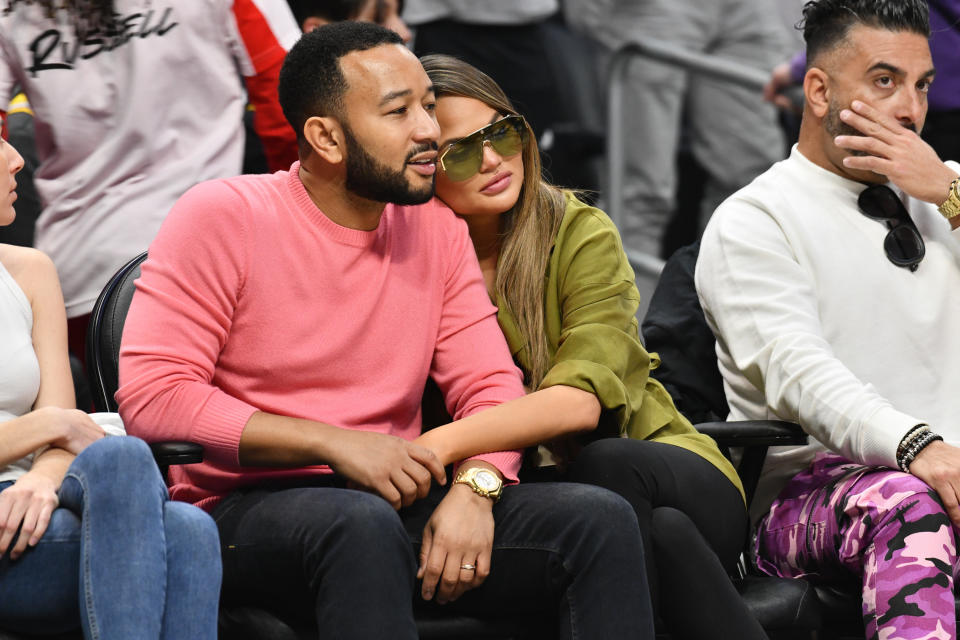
{"x": 462, "y": 159}
{"x": 505, "y": 136}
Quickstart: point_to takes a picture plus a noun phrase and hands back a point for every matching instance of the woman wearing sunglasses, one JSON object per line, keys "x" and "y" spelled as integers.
{"x": 567, "y": 300}
{"x": 88, "y": 538}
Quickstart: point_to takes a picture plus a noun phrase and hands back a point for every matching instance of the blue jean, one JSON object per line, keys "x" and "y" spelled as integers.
{"x": 348, "y": 560}
{"x": 119, "y": 559}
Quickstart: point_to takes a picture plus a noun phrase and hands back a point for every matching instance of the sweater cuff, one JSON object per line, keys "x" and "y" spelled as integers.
{"x": 219, "y": 427}
{"x": 885, "y": 429}
{"x": 506, "y": 462}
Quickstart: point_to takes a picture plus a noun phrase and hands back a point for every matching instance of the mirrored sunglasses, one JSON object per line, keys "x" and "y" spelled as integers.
{"x": 461, "y": 159}
{"x": 903, "y": 244}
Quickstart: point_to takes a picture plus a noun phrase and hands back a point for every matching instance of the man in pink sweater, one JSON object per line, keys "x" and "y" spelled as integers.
{"x": 288, "y": 323}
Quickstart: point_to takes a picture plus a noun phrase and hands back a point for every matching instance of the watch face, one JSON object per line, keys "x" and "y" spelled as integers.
{"x": 486, "y": 481}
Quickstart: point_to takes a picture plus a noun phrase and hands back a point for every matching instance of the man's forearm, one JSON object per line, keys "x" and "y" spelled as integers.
{"x": 398, "y": 470}
{"x": 270, "y": 440}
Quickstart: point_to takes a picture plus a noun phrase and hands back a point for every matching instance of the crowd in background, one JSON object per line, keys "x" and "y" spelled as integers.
{"x": 691, "y": 140}
{"x": 549, "y": 61}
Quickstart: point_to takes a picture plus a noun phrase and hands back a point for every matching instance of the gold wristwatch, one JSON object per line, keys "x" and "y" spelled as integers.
{"x": 951, "y": 206}
{"x": 483, "y": 482}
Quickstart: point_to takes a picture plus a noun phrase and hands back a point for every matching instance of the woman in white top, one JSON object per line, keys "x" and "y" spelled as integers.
{"x": 88, "y": 537}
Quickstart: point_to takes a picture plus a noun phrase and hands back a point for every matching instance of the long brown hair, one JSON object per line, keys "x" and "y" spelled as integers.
{"x": 528, "y": 229}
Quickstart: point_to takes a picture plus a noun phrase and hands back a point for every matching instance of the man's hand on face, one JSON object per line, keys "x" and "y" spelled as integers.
{"x": 459, "y": 534}
{"x": 896, "y": 152}
{"x": 938, "y": 464}
{"x": 397, "y": 470}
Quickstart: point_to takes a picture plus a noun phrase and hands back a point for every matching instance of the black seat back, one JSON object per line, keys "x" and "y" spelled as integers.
{"x": 675, "y": 328}
{"x": 106, "y": 330}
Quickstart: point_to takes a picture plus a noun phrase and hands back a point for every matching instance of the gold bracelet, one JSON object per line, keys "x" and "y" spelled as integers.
{"x": 951, "y": 206}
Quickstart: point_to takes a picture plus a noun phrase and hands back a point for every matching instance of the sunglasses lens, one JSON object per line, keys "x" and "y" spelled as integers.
{"x": 904, "y": 246}
{"x": 505, "y": 137}
{"x": 879, "y": 202}
{"x": 462, "y": 159}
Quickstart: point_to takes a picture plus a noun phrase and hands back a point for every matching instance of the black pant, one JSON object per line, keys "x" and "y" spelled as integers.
{"x": 694, "y": 524}
{"x": 349, "y": 558}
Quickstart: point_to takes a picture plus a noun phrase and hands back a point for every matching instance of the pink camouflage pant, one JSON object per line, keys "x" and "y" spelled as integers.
{"x": 838, "y": 517}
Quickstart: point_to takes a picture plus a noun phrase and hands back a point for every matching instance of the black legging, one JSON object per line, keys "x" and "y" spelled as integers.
{"x": 693, "y": 523}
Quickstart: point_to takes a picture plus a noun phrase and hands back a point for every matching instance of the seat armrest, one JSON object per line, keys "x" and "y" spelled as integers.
{"x": 754, "y": 437}
{"x": 170, "y": 453}
{"x": 747, "y": 433}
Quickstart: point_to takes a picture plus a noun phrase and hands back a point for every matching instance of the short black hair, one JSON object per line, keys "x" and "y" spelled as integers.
{"x": 329, "y": 10}
{"x": 311, "y": 81}
{"x": 826, "y": 22}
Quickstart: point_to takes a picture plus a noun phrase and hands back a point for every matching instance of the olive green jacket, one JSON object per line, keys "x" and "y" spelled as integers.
{"x": 591, "y": 301}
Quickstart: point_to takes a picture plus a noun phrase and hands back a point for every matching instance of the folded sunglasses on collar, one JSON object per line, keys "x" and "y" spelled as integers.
{"x": 903, "y": 244}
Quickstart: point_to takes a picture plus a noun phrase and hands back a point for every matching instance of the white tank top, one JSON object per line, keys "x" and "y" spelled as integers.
{"x": 19, "y": 369}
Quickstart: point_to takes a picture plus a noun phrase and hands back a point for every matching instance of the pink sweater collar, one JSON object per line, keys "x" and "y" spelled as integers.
{"x": 338, "y": 233}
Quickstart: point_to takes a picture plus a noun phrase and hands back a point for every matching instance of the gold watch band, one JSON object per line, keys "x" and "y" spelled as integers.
{"x": 951, "y": 206}
{"x": 470, "y": 478}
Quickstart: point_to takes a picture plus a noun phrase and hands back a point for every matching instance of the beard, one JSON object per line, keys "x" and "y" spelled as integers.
{"x": 837, "y": 127}
{"x": 368, "y": 178}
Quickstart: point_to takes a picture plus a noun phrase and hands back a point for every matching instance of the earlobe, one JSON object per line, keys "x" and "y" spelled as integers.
{"x": 325, "y": 138}
{"x": 816, "y": 91}
{"x": 311, "y": 23}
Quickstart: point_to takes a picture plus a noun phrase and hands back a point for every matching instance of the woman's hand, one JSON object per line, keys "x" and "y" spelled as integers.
{"x": 26, "y": 505}
{"x": 74, "y": 430}
{"x": 459, "y": 533}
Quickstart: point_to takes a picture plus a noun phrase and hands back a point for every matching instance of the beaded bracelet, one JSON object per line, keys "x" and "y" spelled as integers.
{"x": 928, "y": 438}
{"x": 909, "y": 442}
{"x": 910, "y": 452}
{"x": 913, "y": 434}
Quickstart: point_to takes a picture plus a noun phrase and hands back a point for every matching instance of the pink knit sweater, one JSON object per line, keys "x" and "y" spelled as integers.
{"x": 252, "y": 299}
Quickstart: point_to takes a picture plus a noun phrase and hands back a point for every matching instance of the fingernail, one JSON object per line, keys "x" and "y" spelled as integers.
{"x": 427, "y": 594}
{"x": 845, "y": 114}
{"x": 856, "y": 104}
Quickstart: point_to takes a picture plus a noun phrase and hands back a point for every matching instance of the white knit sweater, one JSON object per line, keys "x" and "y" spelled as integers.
{"x": 815, "y": 325}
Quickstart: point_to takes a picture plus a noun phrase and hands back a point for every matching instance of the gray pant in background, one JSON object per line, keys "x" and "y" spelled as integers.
{"x": 732, "y": 132}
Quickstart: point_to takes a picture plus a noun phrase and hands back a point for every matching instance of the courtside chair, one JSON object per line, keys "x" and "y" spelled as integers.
{"x": 675, "y": 328}
{"x": 252, "y": 623}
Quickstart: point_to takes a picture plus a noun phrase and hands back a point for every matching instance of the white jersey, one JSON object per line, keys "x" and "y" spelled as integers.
{"x": 125, "y": 124}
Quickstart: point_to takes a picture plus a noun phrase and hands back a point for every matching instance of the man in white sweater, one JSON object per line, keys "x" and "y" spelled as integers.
{"x": 831, "y": 284}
